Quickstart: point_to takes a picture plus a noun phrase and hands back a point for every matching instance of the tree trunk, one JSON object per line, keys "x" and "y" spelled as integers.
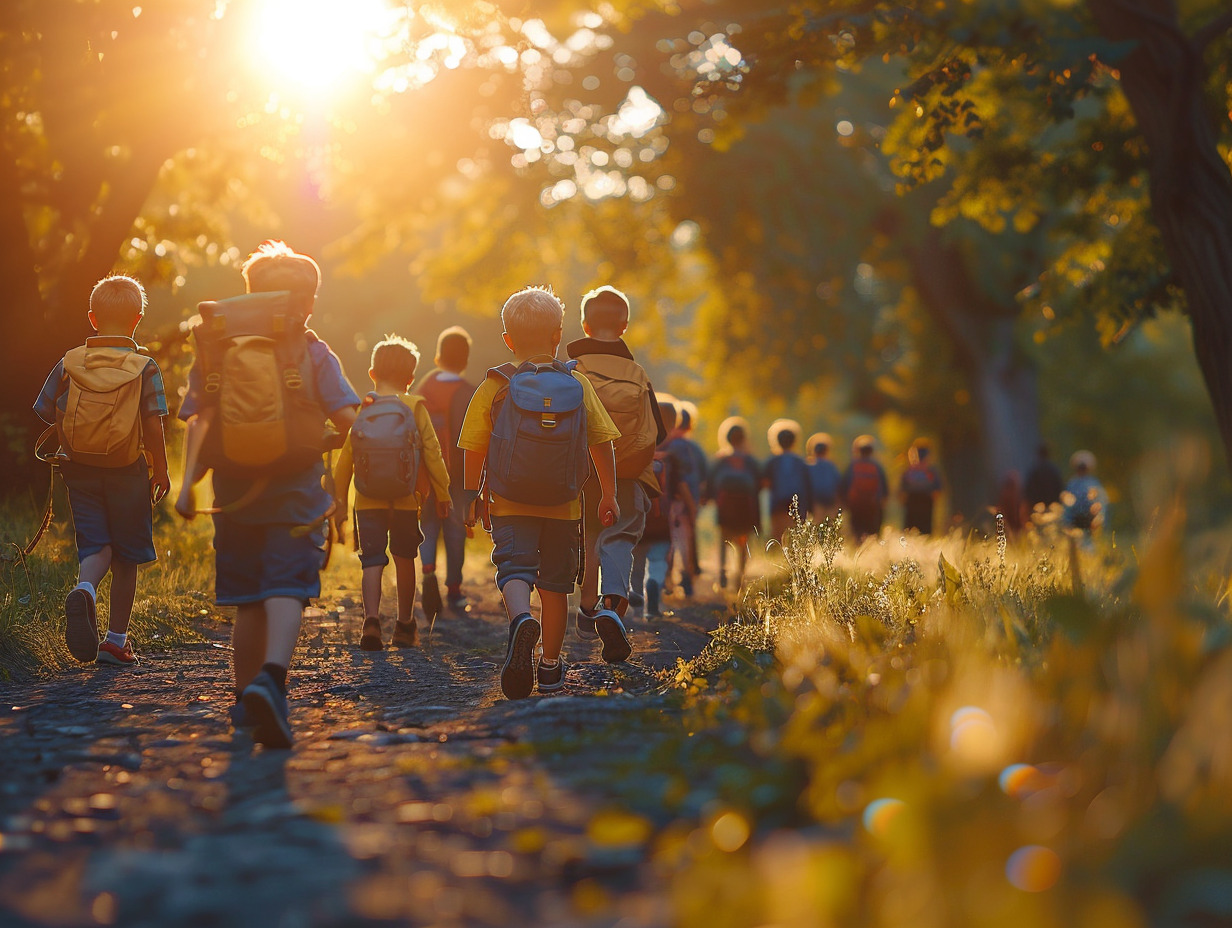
{"x": 1191, "y": 187}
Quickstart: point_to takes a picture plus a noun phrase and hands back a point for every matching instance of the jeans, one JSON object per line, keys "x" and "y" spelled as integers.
{"x": 454, "y": 531}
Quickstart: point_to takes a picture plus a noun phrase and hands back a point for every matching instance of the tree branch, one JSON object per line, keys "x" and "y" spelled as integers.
{"x": 1211, "y": 31}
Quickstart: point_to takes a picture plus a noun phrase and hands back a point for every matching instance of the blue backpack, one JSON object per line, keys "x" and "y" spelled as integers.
{"x": 538, "y": 454}
{"x": 789, "y": 478}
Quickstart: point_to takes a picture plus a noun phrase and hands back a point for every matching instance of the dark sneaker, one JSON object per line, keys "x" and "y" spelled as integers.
{"x": 518, "y": 672}
{"x": 686, "y": 585}
{"x": 266, "y": 706}
{"x": 431, "y": 597}
{"x": 616, "y": 647}
{"x": 239, "y": 716}
{"x": 551, "y": 678}
{"x": 636, "y": 600}
{"x": 457, "y": 601}
{"x": 652, "y": 600}
{"x": 585, "y": 625}
{"x": 370, "y": 640}
{"x": 81, "y": 625}
{"x": 109, "y": 653}
{"x": 406, "y": 634}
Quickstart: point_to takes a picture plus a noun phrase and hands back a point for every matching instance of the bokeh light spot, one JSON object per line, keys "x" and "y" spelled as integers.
{"x": 880, "y": 815}
{"x": 1033, "y": 868}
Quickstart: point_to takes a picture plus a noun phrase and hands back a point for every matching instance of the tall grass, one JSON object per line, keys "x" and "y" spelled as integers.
{"x": 1035, "y": 732}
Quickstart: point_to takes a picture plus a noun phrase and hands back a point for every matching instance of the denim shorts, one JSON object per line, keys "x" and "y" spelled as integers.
{"x": 111, "y": 507}
{"x": 545, "y": 553}
{"x": 253, "y": 563}
{"x": 379, "y": 529}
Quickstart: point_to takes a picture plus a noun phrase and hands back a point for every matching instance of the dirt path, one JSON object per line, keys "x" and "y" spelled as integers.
{"x": 415, "y": 793}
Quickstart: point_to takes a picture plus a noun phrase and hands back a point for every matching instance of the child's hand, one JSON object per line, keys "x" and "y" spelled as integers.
{"x": 186, "y": 502}
{"x": 160, "y": 486}
{"x": 477, "y": 512}
{"x": 609, "y": 510}
{"x": 443, "y": 508}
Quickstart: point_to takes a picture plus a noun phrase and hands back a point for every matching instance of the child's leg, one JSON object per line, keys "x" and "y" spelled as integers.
{"x": 370, "y": 587}
{"x": 516, "y": 596}
{"x": 94, "y": 567}
{"x": 284, "y": 616}
{"x": 616, "y": 543}
{"x": 123, "y": 592}
{"x": 724, "y": 540}
{"x": 431, "y": 527}
{"x": 590, "y": 577}
{"x": 404, "y": 574}
{"x": 453, "y": 531}
{"x": 554, "y": 617}
{"x": 248, "y": 638}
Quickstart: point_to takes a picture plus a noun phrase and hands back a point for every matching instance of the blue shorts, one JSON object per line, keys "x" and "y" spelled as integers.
{"x": 379, "y": 529}
{"x": 111, "y": 507}
{"x": 544, "y": 553}
{"x": 253, "y": 563}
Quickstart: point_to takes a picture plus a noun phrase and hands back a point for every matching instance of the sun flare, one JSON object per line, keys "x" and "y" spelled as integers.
{"x": 318, "y": 45}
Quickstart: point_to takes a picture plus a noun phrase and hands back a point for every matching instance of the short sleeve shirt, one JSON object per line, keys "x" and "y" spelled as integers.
{"x": 54, "y": 395}
{"x": 299, "y": 498}
{"x": 477, "y": 432}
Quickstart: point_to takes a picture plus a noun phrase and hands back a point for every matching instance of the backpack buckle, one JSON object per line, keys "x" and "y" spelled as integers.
{"x": 548, "y": 421}
{"x": 292, "y": 378}
{"x": 213, "y": 382}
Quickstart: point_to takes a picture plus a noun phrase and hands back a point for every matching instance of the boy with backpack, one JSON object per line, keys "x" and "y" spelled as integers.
{"x": 107, "y": 403}
{"x": 682, "y": 519}
{"x": 824, "y": 477}
{"x": 735, "y": 481}
{"x": 390, "y": 448}
{"x": 446, "y": 394}
{"x": 919, "y": 487}
{"x": 626, "y": 393}
{"x": 787, "y": 477}
{"x": 651, "y": 555}
{"x": 260, "y": 392}
{"x": 864, "y": 489}
{"x": 531, "y": 433}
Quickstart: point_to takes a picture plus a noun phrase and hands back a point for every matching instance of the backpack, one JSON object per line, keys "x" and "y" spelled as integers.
{"x": 538, "y": 453}
{"x": 864, "y": 492}
{"x": 387, "y": 448}
{"x": 624, "y": 390}
{"x": 101, "y": 422}
{"x": 658, "y": 525}
{"x": 824, "y": 478}
{"x": 790, "y": 480}
{"x": 257, "y": 372}
{"x": 735, "y": 491}
{"x": 438, "y": 396}
{"x": 919, "y": 480}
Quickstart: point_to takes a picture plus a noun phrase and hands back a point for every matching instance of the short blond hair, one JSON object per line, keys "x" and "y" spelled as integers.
{"x": 606, "y": 309}
{"x": 276, "y": 266}
{"x": 395, "y": 359}
{"x": 533, "y": 312}
{"x": 117, "y": 299}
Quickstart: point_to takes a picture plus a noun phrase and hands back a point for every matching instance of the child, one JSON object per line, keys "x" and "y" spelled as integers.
{"x": 446, "y": 393}
{"x": 651, "y": 555}
{"x": 110, "y": 485}
{"x": 919, "y": 488}
{"x": 864, "y": 489}
{"x": 1084, "y": 498}
{"x": 824, "y": 477}
{"x": 387, "y": 498}
{"x": 787, "y": 477}
{"x": 269, "y": 524}
{"x": 531, "y": 499}
{"x": 682, "y": 519}
{"x": 625, "y": 392}
{"x": 687, "y": 422}
{"x": 734, "y": 482}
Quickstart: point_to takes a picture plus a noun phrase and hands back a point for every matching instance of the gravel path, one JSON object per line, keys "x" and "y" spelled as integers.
{"x": 415, "y": 793}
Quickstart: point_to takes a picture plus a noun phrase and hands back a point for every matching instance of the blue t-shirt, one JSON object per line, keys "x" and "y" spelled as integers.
{"x": 788, "y": 476}
{"x": 825, "y": 479}
{"x": 298, "y": 498}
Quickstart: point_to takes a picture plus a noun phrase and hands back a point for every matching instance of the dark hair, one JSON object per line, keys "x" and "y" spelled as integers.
{"x": 786, "y": 439}
{"x": 453, "y": 349}
{"x": 736, "y": 435}
{"x": 686, "y": 418}
{"x": 820, "y": 448}
{"x": 668, "y": 411}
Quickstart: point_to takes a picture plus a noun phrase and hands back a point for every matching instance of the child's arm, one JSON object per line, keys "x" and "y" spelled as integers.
{"x": 343, "y": 471}
{"x": 603, "y": 456}
{"x": 434, "y": 461}
{"x": 194, "y": 439}
{"x": 472, "y": 475}
{"x": 156, "y": 446}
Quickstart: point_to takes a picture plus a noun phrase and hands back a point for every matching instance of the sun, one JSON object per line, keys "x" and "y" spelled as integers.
{"x": 320, "y": 45}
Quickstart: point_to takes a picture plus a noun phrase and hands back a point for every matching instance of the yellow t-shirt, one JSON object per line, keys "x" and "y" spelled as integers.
{"x": 432, "y": 472}
{"x": 477, "y": 432}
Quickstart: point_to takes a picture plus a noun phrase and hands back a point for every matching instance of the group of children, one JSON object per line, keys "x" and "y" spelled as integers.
{"x": 560, "y": 461}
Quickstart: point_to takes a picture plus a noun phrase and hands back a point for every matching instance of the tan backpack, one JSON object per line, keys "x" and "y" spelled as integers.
{"x": 624, "y": 390}
{"x": 101, "y": 422}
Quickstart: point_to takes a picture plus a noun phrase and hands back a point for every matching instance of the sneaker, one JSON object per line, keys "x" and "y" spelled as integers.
{"x": 686, "y": 585}
{"x": 616, "y": 647}
{"x": 81, "y": 625}
{"x": 551, "y": 678}
{"x": 406, "y": 634}
{"x": 431, "y": 597}
{"x": 240, "y": 719}
{"x": 370, "y": 640}
{"x": 266, "y": 707}
{"x": 518, "y": 671}
{"x": 584, "y": 625}
{"x": 636, "y": 601}
{"x": 652, "y": 599}
{"x": 109, "y": 653}
{"x": 457, "y": 601}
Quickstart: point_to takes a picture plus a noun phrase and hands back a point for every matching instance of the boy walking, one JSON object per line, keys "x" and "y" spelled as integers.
{"x": 626, "y": 393}
{"x": 735, "y": 482}
{"x": 259, "y": 393}
{"x": 530, "y": 434}
{"x": 651, "y": 555}
{"x": 864, "y": 489}
{"x": 786, "y": 476}
{"x": 390, "y": 447}
{"x": 107, "y": 402}
{"x": 446, "y": 393}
